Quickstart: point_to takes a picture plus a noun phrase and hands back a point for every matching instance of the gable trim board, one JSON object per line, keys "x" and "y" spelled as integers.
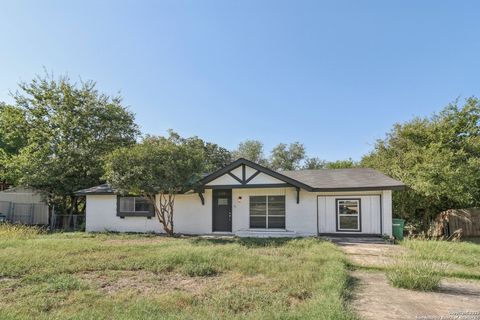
{"x": 243, "y": 163}
{"x": 307, "y": 213}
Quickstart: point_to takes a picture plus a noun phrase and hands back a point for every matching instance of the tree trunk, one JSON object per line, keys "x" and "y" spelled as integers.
{"x": 164, "y": 211}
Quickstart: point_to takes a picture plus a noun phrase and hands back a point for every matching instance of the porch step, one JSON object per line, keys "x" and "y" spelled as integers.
{"x": 345, "y": 240}
{"x": 266, "y": 233}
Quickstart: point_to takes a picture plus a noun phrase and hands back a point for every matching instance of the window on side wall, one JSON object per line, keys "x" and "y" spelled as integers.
{"x": 267, "y": 212}
{"x": 348, "y": 215}
{"x": 134, "y": 207}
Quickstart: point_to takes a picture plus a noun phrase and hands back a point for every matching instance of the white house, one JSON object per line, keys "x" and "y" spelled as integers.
{"x": 247, "y": 199}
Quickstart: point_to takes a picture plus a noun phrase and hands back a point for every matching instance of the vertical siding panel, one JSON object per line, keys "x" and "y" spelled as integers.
{"x": 322, "y": 225}
{"x": 376, "y": 210}
{"x": 373, "y": 215}
{"x": 366, "y": 215}
{"x": 331, "y": 214}
{"x": 387, "y": 211}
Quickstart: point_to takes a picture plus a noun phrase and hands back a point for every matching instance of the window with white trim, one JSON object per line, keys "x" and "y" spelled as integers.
{"x": 348, "y": 214}
{"x": 135, "y": 206}
{"x": 267, "y": 212}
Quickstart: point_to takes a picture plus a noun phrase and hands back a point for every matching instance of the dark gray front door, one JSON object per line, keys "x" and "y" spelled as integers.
{"x": 222, "y": 210}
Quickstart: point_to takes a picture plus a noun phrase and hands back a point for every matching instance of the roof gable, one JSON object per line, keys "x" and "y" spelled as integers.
{"x": 243, "y": 173}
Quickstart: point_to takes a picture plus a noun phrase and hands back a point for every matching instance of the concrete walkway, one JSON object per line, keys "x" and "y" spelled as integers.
{"x": 375, "y": 298}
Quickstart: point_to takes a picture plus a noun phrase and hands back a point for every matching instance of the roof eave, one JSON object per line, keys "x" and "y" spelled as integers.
{"x": 94, "y": 193}
{"x": 370, "y": 188}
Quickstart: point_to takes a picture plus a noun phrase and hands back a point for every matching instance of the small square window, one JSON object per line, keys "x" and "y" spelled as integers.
{"x": 223, "y": 201}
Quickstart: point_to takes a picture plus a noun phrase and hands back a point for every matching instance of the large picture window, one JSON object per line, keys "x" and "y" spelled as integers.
{"x": 267, "y": 212}
{"x": 348, "y": 215}
{"x": 135, "y": 206}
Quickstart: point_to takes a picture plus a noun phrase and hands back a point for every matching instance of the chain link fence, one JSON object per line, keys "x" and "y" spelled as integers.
{"x": 25, "y": 213}
{"x": 37, "y": 214}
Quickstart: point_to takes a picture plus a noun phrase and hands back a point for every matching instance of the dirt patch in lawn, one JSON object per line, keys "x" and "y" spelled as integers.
{"x": 148, "y": 283}
{"x": 144, "y": 240}
{"x": 6, "y": 285}
{"x": 374, "y": 298}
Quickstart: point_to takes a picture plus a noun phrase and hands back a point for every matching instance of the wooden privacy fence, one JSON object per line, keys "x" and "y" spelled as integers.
{"x": 465, "y": 221}
{"x": 25, "y": 213}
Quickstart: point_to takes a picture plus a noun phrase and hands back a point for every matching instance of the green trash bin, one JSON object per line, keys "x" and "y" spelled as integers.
{"x": 397, "y": 225}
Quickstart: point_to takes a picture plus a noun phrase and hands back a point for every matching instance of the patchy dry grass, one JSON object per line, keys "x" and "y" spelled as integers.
{"x": 118, "y": 276}
{"x": 19, "y": 231}
{"x": 462, "y": 253}
{"x": 414, "y": 275}
{"x": 445, "y": 258}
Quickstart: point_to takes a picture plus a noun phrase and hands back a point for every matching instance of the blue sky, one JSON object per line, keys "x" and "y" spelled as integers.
{"x": 333, "y": 75}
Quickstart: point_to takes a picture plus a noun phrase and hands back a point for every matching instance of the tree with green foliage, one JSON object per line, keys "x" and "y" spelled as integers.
{"x": 317, "y": 163}
{"x": 215, "y": 157}
{"x": 438, "y": 158}
{"x": 341, "y": 164}
{"x": 158, "y": 168}
{"x": 251, "y": 150}
{"x": 314, "y": 164}
{"x": 66, "y": 130}
{"x": 13, "y": 137}
{"x": 287, "y": 157}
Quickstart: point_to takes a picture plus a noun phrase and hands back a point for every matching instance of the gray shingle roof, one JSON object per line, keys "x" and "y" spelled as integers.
{"x": 101, "y": 189}
{"x": 311, "y": 180}
{"x": 344, "y": 179}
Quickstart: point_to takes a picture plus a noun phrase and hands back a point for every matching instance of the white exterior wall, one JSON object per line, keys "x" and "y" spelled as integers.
{"x": 101, "y": 216}
{"x": 191, "y": 217}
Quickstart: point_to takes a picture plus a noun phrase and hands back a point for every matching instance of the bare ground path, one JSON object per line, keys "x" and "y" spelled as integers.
{"x": 375, "y": 298}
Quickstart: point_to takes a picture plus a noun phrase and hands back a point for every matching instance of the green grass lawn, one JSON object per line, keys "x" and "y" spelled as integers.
{"x": 115, "y": 276}
{"x": 425, "y": 262}
{"x": 449, "y": 259}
